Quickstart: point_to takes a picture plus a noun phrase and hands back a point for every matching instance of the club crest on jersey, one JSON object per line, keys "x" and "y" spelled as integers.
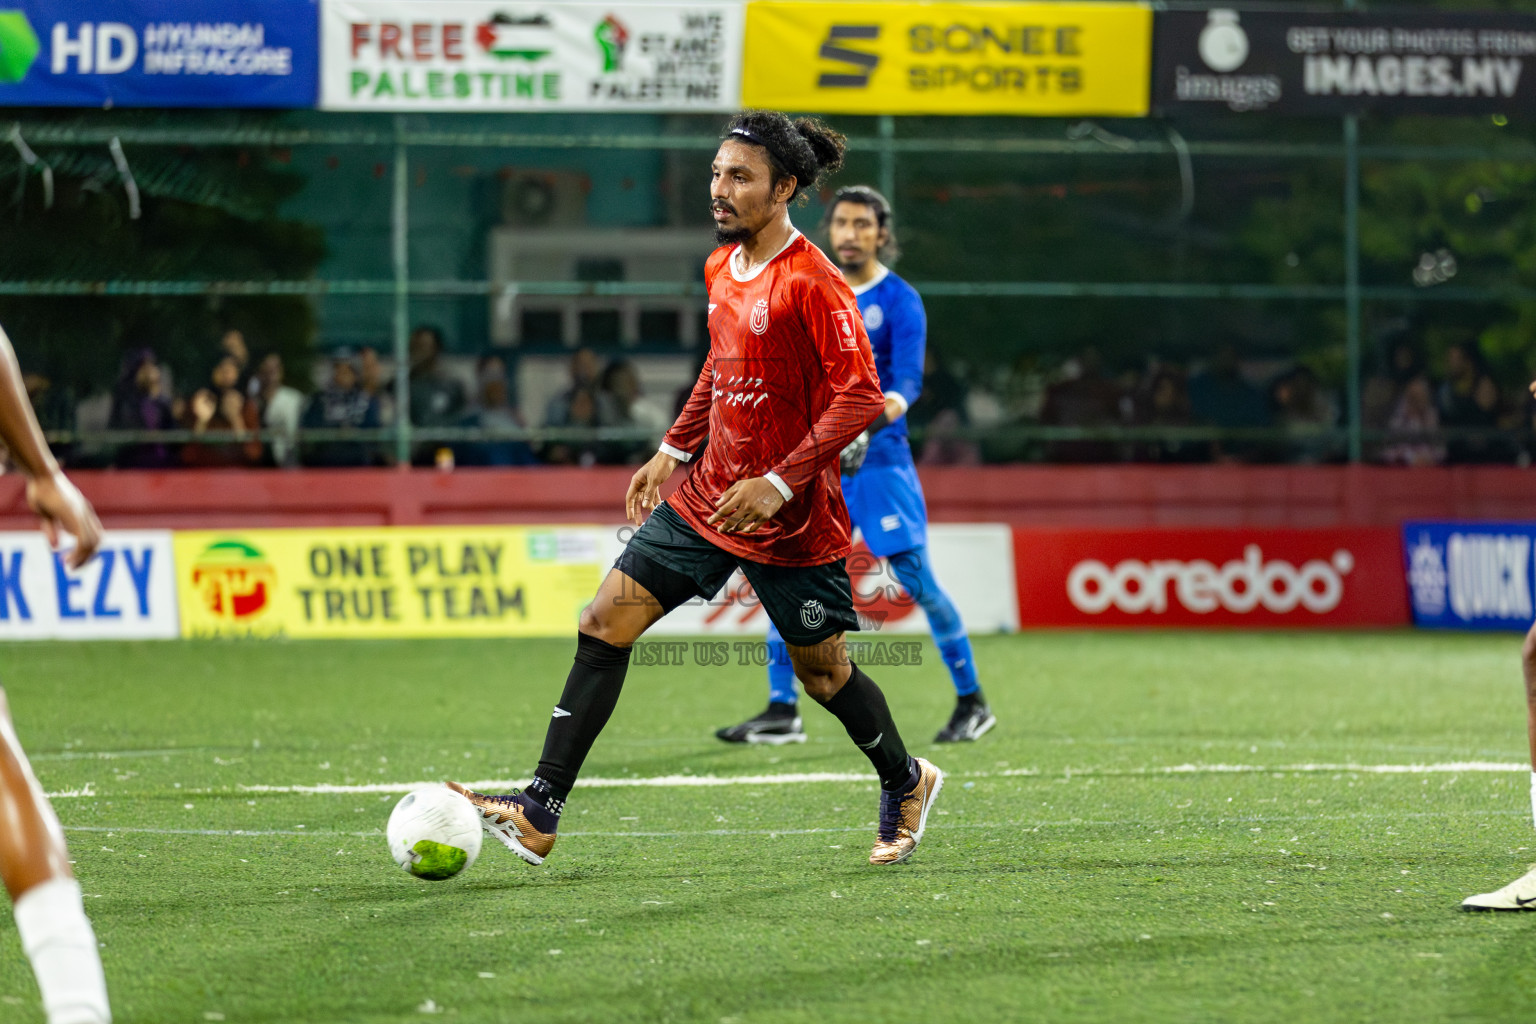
{"x": 847, "y": 336}
{"x": 874, "y": 316}
{"x": 812, "y": 614}
{"x": 759, "y": 316}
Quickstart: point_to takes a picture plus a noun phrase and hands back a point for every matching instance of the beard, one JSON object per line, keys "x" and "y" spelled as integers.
{"x": 725, "y": 235}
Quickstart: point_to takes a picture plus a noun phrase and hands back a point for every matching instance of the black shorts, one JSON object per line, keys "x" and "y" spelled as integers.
{"x": 808, "y": 603}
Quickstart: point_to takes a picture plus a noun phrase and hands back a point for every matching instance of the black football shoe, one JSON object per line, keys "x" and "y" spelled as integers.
{"x": 971, "y": 720}
{"x": 779, "y": 724}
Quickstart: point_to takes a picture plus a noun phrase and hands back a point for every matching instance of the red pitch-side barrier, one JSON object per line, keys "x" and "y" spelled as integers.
{"x": 1093, "y": 545}
{"x": 1071, "y": 496}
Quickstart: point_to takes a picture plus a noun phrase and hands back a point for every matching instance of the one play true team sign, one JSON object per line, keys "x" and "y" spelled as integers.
{"x": 456, "y": 581}
{"x": 464, "y": 55}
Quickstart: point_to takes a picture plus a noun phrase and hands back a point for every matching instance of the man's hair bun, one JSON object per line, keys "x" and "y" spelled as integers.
{"x": 804, "y": 149}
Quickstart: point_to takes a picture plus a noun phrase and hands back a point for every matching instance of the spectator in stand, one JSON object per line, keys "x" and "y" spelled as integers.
{"x": 940, "y": 412}
{"x": 1165, "y": 403}
{"x": 495, "y": 413}
{"x": 1220, "y": 397}
{"x": 437, "y": 397}
{"x": 1489, "y": 414}
{"x": 232, "y": 344}
{"x": 1084, "y": 397}
{"x": 281, "y": 409}
{"x": 1401, "y": 363}
{"x": 621, "y": 382}
{"x": 340, "y": 405}
{"x": 55, "y": 409}
{"x": 138, "y": 404}
{"x": 1304, "y": 409}
{"x": 1468, "y": 399}
{"x": 1414, "y": 427}
{"x": 581, "y": 410}
{"x": 1454, "y": 398}
{"x": 586, "y": 375}
{"x": 223, "y": 407}
{"x": 373, "y": 382}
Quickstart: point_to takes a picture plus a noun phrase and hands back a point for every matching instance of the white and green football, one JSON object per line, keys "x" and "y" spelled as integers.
{"x": 434, "y": 833}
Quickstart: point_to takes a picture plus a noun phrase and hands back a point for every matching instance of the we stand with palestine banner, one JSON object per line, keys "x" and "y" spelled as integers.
{"x": 469, "y": 55}
{"x": 1385, "y": 61}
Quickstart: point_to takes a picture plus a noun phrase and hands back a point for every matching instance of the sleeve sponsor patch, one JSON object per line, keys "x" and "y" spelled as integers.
{"x": 847, "y": 333}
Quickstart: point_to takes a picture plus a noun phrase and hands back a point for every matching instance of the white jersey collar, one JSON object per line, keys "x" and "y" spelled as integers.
{"x": 880, "y": 275}
{"x": 794, "y": 233}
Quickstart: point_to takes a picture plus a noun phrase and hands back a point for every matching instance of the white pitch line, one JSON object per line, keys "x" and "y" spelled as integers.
{"x": 809, "y": 778}
{"x": 651, "y": 782}
{"x": 1237, "y": 822}
{"x": 1443, "y": 768}
{"x": 116, "y": 755}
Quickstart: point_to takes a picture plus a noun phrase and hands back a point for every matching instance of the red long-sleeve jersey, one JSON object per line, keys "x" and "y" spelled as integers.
{"x": 789, "y": 381}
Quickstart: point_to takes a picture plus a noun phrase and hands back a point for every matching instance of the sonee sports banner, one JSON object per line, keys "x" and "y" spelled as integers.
{"x": 1044, "y": 59}
{"x": 472, "y": 55}
{"x": 1471, "y": 575}
{"x": 1397, "y": 62}
{"x": 159, "y": 53}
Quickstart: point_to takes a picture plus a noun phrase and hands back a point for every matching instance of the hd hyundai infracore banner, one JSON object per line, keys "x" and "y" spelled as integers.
{"x": 159, "y": 53}
{"x": 1299, "y": 62}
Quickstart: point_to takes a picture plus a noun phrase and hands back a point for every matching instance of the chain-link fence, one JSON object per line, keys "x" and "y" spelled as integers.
{"x": 1278, "y": 290}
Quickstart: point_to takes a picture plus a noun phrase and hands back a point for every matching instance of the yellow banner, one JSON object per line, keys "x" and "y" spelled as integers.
{"x": 1042, "y": 59}
{"x": 396, "y": 582}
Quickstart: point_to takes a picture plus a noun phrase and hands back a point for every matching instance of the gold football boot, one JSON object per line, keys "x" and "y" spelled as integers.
{"x": 903, "y": 816}
{"x": 506, "y": 818}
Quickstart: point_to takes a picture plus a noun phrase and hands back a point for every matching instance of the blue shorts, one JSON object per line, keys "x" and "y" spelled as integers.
{"x": 885, "y": 501}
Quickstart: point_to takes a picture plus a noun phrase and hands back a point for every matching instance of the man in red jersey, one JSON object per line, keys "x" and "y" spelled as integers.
{"x": 789, "y": 382}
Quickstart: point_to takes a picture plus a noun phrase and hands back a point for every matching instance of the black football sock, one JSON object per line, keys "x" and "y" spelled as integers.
{"x": 973, "y": 700}
{"x": 591, "y": 692}
{"x": 781, "y": 709}
{"x": 537, "y": 806}
{"x": 861, "y": 707}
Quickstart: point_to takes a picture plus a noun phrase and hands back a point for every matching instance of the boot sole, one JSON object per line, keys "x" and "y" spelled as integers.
{"x": 510, "y": 842}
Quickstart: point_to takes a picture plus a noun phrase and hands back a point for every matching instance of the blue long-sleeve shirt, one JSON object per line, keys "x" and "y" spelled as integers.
{"x": 898, "y": 333}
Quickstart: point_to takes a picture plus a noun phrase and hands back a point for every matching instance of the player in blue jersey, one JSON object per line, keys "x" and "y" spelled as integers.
{"x": 885, "y": 499}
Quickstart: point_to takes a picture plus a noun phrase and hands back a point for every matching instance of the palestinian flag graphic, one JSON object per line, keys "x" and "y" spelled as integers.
{"x": 506, "y": 37}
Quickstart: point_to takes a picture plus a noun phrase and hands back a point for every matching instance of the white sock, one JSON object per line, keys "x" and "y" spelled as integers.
{"x": 1533, "y": 796}
{"x": 59, "y": 941}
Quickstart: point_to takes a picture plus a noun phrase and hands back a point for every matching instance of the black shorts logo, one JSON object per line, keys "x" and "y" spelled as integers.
{"x": 812, "y": 614}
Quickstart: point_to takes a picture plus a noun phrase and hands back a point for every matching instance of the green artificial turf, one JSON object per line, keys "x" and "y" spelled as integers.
{"x": 1096, "y": 888}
